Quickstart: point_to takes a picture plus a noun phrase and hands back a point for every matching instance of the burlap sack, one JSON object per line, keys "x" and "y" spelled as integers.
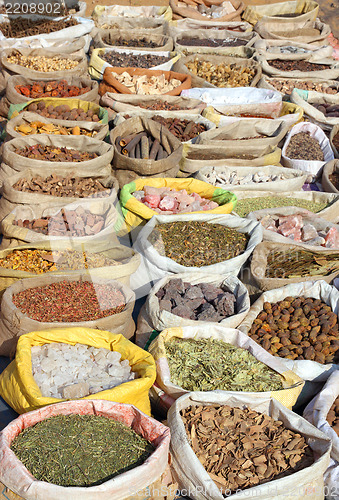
{"x": 126, "y": 261}
{"x": 158, "y": 26}
{"x": 99, "y": 130}
{"x": 133, "y": 102}
{"x": 306, "y": 10}
{"x": 269, "y": 47}
{"x": 76, "y": 46}
{"x": 309, "y": 32}
{"x": 111, "y": 84}
{"x": 13, "y": 162}
{"x": 145, "y": 12}
{"x": 14, "y": 323}
{"x": 234, "y": 28}
{"x": 146, "y": 167}
{"x": 266, "y": 82}
{"x": 306, "y": 100}
{"x": 101, "y": 37}
{"x": 259, "y": 266}
{"x": 215, "y": 34}
{"x": 227, "y": 135}
{"x": 334, "y": 132}
{"x": 12, "y": 198}
{"x": 8, "y": 69}
{"x": 329, "y": 168}
{"x": 14, "y": 235}
{"x": 330, "y": 73}
{"x": 233, "y": 10}
{"x": 181, "y": 67}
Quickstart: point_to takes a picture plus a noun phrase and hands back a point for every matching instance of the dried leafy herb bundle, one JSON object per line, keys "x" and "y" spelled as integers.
{"x": 197, "y": 244}
{"x": 208, "y": 365}
{"x": 298, "y": 263}
{"x": 80, "y": 450}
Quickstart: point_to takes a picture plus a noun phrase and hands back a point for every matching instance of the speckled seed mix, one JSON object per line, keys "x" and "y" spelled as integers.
{"x": 304, "y": 147}
{"x": 70, "y": 301}
{"x": 42, "y": 63}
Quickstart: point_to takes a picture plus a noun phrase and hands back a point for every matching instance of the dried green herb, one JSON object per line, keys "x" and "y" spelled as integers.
{"x": 208, "y": 365}
{"x": 247, "y": 205}
{"x": 79, "y": 450}
{"x": 299, "y": 263}
{"x": 197, "y": 244}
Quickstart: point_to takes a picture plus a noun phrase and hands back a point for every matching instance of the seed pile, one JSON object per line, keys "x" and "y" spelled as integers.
{"x": 59, "y": 88}
{"x": 298, "y": 328}
{"x": 145, "y": 85}
{"x": 44, "y": 261}
{"x": 203, "y": 302}
{"x": 56, "y": 185}
{"x": 42, "y": 63}
{"x": 70, "y": 301}
{"x": 247, "y": 205}
{"x": 300, "y": 263}
{"x": 54, "y": 153}
{"x": 210, "y": 364}
{"x": 63, "y": 112}
{"x": 133, "y": 60}
{"x": 333, "y": 416}
{"x": 222, "y": 75}
{"x": 285, "y": 65}
{"x": 304, "y": 147}
{"x": 211, "y": 42}
{"x": 286, "y": 86}
{"x": 53, "y": 129}
{"x": 330, "y": 110}
{"x": 21, "y": 27}
{"x": 197, "y": 244}
{"x": 70, "y": 446}
{"x": 138, "y": 42}
{"x": 249, "y": 448}
{"x": 78, "y": 222}
{"x": 142, "y": 145}
{"x": 161, "y": 105}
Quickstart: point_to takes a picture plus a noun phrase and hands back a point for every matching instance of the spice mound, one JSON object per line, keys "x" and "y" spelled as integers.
{"x": 249, "y": 448}
{"x": 54, "y": 153}
{"x": 298, "y": 65}
{"x": 168, "y": 201}
{"x": 50, "y": 128}
{"x": 127, "y": 60}
{"x": 298, "y": 328}
{"x": 203, "y": 302}
{"x": 145, "y": 85}
{"x": 247, "y": 205}
{"x": 74, "y": 371}
{"x": 42, "y": 63}
{"x": 139, "y": 42}
{"x": 220, "y": 179}
{"x": 144, "y": 146}
{"x": 197, "y": 244}
{"x": 20, "y": 27}
{"x": 222, "y": 75}
{"x": 184, "y": 130}
{"x": 304, "y": 147}
{"x": 63, "y": 112}
{"x": 333, "y": 416}
{"x": 78, "y": 222}
{"x": 56, "y": 185}
{"x": 162, "y": 105}
{"x": 211, "y": 42}
{"x": 44, "y": 261}
{"x": 208, "y": 365}
{"x": 294, "y": 228}
{"x": 51, "y": 89}
{"x": 299, "y": 263}
{"x": 71, "y": 444}
{"x": 286, "y": 86}
{"x": 70, "y": 301}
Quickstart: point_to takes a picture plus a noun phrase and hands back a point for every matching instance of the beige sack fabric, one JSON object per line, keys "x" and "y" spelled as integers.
{"x": 334, "y": 132}
{"x": 14, "y": 323}
{"x": 267, "y": 82}
{"x": 329, "y": 168}
{"x": 306, "y": 102}
{"x": 330, "y": 73}
{"x": 302, "y": 11}
{"x": 269, "y": 47}
{"x": 233, "y": 27}
{"x": 103, "y": 38}
{"x": 232, "y": 11}
{"x": 310, "y": 32}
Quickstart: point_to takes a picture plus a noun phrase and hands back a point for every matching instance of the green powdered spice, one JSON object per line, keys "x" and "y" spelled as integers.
{"x": 247, "y": 205}
{"x": 208, "y": 365}
{"x": 197, "y": 244}
{"x": 79, "y": 450}
{"x": 300, "y": 263}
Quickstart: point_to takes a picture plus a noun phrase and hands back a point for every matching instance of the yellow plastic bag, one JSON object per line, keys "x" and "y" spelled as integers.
{"x": 137, "y": 213}
{"x": 19, "y": 389}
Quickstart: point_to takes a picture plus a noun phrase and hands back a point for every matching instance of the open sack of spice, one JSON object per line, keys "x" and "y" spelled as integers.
{"x": 143, "y": 81}
{"x": 218, "y": 10}
{"x": 288, "y": 11}
{"x": 143, "y": 198}
{"x": 219, "y": 71}
{"x": 334, "y": 140}
{"x": 144, "y": 148}
{"x": 117, "y": 13}
{"x": 330, "y": 176}
{"x": 286, "y": 85}
{"x": 299, "y": 66}
{"x": 292, "y": 50}
{"x": 136, "y": 38}
{"x": 213, "y": 41}
{"x": 323, "y": 413}
{"x": 314, "y": 32}
{"x": 199, "y": 421}
{"x": 304, "y": 330}
{"x": 274, "y": 265}
{"x": 270, "y": 178}
{"x": 210, "y": 358}
{"x": 42, "y": 189}
{"x": 322, "y": 110}
{"x": 71, "y": 300}
{"x": 307, "y": 148}
{"x": 41, "y": 151}
{"x": 211, "y": 243}
{"x": 79, "y": 430}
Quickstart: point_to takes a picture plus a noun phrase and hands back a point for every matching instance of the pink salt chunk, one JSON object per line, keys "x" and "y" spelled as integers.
{"x": 295, "y": 235}
{"x": 288, "y": 227}
{"x": 267, "y": 222}
{"x": 168, "y": 203}
{"x": 309, "y": 232}
{"x": 196, "y": 196}
{"x": 152, "y": 200}
{"x": 292, "y": 220}
{"x": 150, "y": 190}
{"x": 332, "y": 238}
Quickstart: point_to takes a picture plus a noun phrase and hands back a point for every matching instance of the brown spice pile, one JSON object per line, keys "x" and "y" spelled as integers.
{"x": 304, "y": 147}
{"x": 54, "y": 153}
